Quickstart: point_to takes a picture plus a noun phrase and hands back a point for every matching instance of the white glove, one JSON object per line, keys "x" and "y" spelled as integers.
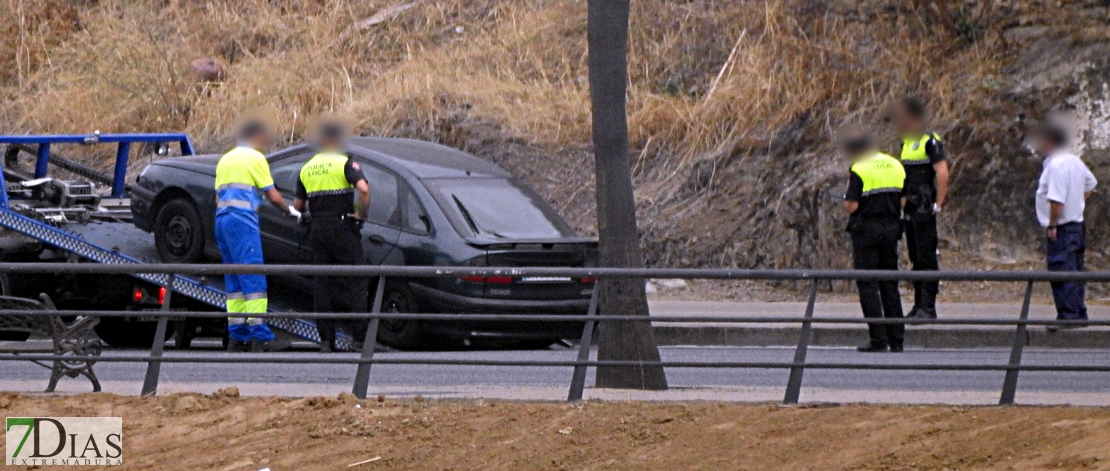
{"x": 936, "y": 208}
{"x": 293, "y": 212}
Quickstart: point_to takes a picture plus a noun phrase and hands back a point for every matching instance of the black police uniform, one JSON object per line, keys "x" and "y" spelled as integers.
{"x": 876, "y": 183}
{"x": 327, "y": 182}
{"x": 918, "y": 155}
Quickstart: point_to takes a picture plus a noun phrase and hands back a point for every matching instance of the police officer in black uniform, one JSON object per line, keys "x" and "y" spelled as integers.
{"x": 328, "y": 184}
{"x": 874, "y": 204}
{"x": 926, "y": 165}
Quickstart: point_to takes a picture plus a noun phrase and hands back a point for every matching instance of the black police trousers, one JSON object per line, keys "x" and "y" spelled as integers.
{"x": 921, "y": 243}
{"x": 875, "y": 247}
{"x": 337, "y": 241}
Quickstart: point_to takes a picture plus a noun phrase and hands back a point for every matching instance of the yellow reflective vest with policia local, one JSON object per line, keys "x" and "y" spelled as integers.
{"x": 876, "y": 183}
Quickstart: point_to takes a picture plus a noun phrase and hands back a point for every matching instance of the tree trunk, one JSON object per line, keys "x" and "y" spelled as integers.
{"x": 607, "y": 39}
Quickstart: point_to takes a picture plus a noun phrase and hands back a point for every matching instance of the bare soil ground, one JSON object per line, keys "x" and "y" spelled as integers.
{"x": 225, "y": 432}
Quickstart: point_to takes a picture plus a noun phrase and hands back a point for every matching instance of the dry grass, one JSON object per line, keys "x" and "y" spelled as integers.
{"x": 721, "y": 91}
{"x": 123, "y": 65}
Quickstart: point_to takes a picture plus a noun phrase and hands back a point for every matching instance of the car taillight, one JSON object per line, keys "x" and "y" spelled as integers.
{"x": 497, "y": 280}
{"x": 140, "y": 296}
{"x": 589, "y": 279}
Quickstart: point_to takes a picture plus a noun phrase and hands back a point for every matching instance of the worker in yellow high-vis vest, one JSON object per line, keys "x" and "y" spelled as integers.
{"x": 926, "y": 164}
{"x": 874, "y": 204}
{"x": 241, "y": 175}
{"x": 328, "y": 184}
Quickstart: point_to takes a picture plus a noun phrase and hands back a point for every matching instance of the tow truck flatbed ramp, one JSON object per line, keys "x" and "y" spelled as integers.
{"x": 119, "y": 242}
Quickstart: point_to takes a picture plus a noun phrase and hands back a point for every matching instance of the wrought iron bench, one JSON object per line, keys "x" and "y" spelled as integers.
{"x": 74, "y": 340}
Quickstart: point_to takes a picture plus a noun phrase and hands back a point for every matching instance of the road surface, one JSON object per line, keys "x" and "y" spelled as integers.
{"x": 550, "y": 383}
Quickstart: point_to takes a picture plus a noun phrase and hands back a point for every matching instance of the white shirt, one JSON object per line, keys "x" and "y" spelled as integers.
{"x": 1064, "y": 180}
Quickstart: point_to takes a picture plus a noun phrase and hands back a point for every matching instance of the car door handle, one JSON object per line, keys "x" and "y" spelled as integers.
{"x": 377, "y": 239}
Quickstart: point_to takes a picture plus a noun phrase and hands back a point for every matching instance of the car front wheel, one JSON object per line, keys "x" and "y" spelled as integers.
{"x": 179, "y": 233}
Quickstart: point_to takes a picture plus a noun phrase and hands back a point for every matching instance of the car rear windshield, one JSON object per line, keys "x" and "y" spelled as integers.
{"x": 497, "y": 207}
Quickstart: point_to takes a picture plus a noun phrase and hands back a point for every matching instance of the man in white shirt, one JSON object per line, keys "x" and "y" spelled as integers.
{"x": 1062, "y": 193}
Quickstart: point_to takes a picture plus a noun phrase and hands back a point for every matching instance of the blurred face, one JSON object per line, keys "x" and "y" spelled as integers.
{"x": 854, "y": 145}
{"x": 1043, "y": 146}
{"x": 906, "y": 123}
{"x": 332, "y": 143}
{"x": 261, "y": 141}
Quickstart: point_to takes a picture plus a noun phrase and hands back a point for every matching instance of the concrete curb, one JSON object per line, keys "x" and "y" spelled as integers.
{"x": 839, "y": 336}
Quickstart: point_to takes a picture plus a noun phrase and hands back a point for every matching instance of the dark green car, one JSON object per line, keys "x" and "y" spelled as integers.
{"x": 430, "y": 206}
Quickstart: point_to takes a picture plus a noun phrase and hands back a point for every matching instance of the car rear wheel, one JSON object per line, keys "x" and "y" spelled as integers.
{"x": 179, "y": 233}
{"x": 399, "y": 333}
{"x": 124, "y": 333}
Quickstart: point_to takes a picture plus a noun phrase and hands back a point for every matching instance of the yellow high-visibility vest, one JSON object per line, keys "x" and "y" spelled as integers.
{"x": 238, "y": 174}
{"x": 880, "y": 173}
{"x": 324, "y": 175}
{"x": 913, "y": 150}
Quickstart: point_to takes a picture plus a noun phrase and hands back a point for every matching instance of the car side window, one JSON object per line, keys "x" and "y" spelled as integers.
{"x": 287, "y": 171}
{"x": 416, "y": 218}
{"x": 383, "y": 195}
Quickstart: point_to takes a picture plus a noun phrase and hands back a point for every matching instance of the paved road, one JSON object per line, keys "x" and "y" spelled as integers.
{"x": 688, "y": 384}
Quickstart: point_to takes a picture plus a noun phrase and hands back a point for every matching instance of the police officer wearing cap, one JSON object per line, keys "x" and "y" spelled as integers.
{"x": 874, "y": 204}
{"x": 328, "y": 184}
{"x": 926, "y": 165}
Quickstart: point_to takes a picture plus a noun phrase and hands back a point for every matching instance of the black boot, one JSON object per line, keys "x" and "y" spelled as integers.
{"x": 922, "y": 313}
{"x": 872, "y": 347}
{"x": 258, "y": 346}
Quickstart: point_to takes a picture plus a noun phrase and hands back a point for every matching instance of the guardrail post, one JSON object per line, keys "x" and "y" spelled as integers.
{"x": 794, "y": 384}
{"x": 578, "y": 379}
{"x": 1009, "y": 385}
{"x": 362, "y": 375}
{"x": 154, "y": 367}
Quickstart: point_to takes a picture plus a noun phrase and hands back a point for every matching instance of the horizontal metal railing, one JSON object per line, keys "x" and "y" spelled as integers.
{"x": 671, "y": 319}
{"x": 366, "y": 359}
{"x": 455, "y": 271}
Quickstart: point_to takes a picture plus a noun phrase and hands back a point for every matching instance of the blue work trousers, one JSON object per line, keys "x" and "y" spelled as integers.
{"x": 1066, "y": 254}
{"x": 239, "y": 240}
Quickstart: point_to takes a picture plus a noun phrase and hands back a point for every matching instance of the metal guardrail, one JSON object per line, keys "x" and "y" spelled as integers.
{"x": 797, "y": 367}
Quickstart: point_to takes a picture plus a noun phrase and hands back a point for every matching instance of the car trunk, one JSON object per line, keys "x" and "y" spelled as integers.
{"x": 557, "y": 252}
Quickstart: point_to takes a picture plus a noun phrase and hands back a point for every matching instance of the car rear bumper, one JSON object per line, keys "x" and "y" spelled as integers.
{"x": 442, "y": 301}
{"x": 437, "y": 301}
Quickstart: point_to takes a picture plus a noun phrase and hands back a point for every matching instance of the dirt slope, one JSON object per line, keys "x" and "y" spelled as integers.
{"x": 197, "y": 432}
{"x": 732, "y": 105}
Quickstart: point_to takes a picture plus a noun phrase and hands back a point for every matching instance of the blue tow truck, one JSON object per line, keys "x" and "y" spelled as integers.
{"x": 56, "y": 209}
